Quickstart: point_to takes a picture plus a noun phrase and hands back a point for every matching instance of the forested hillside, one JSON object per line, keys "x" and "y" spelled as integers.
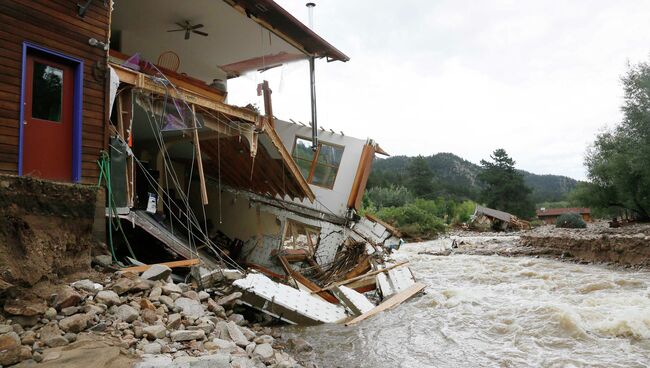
{"x": 456, "y": 178}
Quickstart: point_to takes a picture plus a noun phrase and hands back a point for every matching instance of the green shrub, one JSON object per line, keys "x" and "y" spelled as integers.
{"x": 570, "y": 221}
{"x": 413, "y": 220}
{"x": 392, "y": 196}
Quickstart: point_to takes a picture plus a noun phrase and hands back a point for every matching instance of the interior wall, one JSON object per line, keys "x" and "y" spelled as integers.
{"x": 335, "y": 199}
{"x": 238, "y": 218}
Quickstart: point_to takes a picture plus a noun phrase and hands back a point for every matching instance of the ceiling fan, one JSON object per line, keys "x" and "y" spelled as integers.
{"x": 188, "y": 28}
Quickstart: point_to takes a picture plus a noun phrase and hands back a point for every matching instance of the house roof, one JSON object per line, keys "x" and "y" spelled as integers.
{"x": 560, "y": 211}
{"x": 489, "y": 212}
{"x": 272, "y": 16}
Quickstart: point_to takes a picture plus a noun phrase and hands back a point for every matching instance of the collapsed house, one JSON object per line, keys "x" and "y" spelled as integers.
{"x": 134, "y": 95}
{"x": 488, "y": 218}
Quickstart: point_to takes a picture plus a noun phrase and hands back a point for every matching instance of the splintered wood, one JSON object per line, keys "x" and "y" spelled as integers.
{"x": 390, "y": 303}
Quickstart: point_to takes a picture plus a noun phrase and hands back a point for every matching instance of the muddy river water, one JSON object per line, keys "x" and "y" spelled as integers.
{"x": 493, "y": 311}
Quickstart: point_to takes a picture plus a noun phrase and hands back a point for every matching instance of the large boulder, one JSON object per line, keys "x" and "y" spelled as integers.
{"x": 127, "y": 313}
{"x": 76, "y": 323}
{"x": 10, "y": 348}
{"x": 108, "y": 297}
{"x": 156, "y": 272}
{"x": 122, "y": 285}
{"x": 20, "y": 307}
{"x": 187, "y": 335}
{"x": 66, "y": 297}
{"x": 190, "y": 307}
{"x": 155, "y": 332}
{"x": 236, "y": 335}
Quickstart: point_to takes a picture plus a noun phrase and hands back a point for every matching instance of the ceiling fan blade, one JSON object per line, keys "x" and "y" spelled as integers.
{"x": 200, "y": 33}
{"x": 187, "y": 34}
{"x": 197, "y": 26}
{"x": 182, "y": 24}
{"x": 175, "y": 30}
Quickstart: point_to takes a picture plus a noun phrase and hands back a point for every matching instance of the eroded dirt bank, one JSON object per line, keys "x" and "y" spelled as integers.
{"x": 45, "y": 230}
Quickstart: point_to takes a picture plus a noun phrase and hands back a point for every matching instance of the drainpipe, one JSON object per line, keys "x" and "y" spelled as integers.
{"x": 312, "y": 85}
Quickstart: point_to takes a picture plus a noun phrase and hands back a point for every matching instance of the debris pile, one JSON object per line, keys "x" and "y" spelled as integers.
{"x": 147, "y": 316}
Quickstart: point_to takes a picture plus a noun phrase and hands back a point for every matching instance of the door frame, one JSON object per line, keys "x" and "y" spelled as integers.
{"x": 77, "y": 105}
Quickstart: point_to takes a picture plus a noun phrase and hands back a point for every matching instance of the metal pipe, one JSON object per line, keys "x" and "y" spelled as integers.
{"x": 314, "y": 123}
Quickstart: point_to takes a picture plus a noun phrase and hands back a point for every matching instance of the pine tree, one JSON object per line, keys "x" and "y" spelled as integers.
{"x": 504, "y": 187}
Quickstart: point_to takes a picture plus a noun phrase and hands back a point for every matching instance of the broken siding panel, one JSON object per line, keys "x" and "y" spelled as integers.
{"x": 53, "y": 25}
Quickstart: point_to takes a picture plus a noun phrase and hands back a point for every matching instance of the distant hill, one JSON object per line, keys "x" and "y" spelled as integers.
{"x": 457, "y": 177}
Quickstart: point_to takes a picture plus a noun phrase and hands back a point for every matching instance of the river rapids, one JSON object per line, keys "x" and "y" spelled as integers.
{"x": 494, "y": 311}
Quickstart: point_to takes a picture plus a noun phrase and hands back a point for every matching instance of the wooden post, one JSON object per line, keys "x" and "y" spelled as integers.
{"x": 199, "y": 160}
{"x": 268, "y": 106}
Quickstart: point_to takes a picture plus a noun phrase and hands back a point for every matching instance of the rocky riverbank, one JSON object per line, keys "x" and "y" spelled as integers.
{"x": 627, "y": 246}
{"x": 125, "y": 319}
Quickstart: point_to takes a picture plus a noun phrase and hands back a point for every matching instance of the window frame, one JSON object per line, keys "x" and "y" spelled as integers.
{"x": 314, "y": 160}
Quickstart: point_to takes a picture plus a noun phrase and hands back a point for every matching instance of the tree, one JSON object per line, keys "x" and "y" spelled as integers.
{"x": 504, "y": 186}
{"x": 420, "y": 177}
{"x": 617, "y": 163}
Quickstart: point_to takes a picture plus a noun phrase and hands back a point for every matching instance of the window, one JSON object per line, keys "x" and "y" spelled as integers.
{"x": 47, "y": 92}
{"x": 320, "y": 167}
{"x": 301, "y": 236}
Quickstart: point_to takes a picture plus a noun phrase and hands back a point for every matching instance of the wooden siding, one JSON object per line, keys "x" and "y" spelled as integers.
{"x": 53, "y": 24}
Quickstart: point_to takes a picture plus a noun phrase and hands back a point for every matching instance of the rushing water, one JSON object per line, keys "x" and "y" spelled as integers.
{"x": 492, "y": 311}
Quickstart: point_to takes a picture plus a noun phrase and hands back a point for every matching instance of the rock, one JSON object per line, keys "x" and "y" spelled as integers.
{"x": 153, "y": 348}
{"x": 50, "y": 313}
{"x": 66, "y": 297}
{"x": 76, "y": 323}
{"x": 236, "y": 335}
{"x": 174, "y": 321}
{"x": 186, "y": 335}
{"x": 232, "y": 275}
{"x": 127, "y": 313}
{"x": 241, "y": 362}
{"x": 146, "y": 304}
{"x": 142, "y": 285}
{"x": 169, "y": 302}
{"x": 212, "y": 361}
{"x": 264, "y": 351}
{"x": 149, "y": 316}
{"x": 49, "y": 331}
{"x": 71, "y": 337}
{"x": 155, "y": 332}
{"x": 222, "y": 330}
{"x": 155, "y": 293}
{"x": 19, "y": 307}
{"x": 28, "y": 338}
{"x": 156, "y": 272}
{"x": 215, "y": 308}
{"x": 207, "y": 327}
{"x": 229, "y": 299}
{"x": 107, "y": 297}
{"x": 87, "y": 286}
{"x": 190, "y": 307}
{"x": 25, "y": 321}
{"x": 226, "y": 346}
{"x": 122, "y": 285}
{"x": 69, "y": 311}
{"x": 100, "y": 327}
{"x": 203, "y": 295}
{"x": 56, "y": 341}
{"x": 171, "y": 288}
{"x": 103, "y": 260}
{"x": 191, "y": 294}
{"x": 299, "y": 345}
{"x": 9, "y": 348}
{"x": 237, "y": 318}
{"x": 264, "y": 339}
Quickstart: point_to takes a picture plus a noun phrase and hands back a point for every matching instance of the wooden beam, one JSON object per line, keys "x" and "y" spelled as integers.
{"x": 372, "y": 273}
{"x": 268, "y": 106}
{"x": 146, "y": 82}
{"x": 199, "y": 159}
{"x": 174, "y": 264}
{"x": 390, "y": 303}
{"x": 306, "y": 282}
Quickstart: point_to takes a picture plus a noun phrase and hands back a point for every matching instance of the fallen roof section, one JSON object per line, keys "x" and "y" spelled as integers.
{"x": 489, "y": 212}
{"x": 560, "y": 211}
{"x": 275, "y": 18}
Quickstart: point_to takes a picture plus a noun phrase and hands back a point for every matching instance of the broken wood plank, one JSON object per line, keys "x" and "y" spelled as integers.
{"x": 390, "y": 303}
{"x": 199, "y": 159}
{"x": 174, "y": 264}
{"x": 306, "y": 282}
{"x": 345, "y": 282}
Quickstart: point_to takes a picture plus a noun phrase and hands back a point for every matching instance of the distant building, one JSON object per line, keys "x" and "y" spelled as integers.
{"x": 550, "y": 215}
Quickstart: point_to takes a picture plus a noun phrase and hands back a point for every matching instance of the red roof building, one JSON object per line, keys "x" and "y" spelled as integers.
{"x": 550, "y": 215}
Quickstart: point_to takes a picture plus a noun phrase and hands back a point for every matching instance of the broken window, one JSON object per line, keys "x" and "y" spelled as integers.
{"x": 319, "y": 167}
{"x": 300, "y": 236}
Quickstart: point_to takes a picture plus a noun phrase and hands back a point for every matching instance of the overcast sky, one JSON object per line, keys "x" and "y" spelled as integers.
{"x": 538, "y": 78}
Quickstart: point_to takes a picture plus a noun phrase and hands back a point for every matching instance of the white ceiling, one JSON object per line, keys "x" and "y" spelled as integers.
{"x": 233, "y": 37}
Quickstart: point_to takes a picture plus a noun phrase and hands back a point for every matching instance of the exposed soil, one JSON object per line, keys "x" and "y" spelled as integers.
{"x": 45, "y": 230}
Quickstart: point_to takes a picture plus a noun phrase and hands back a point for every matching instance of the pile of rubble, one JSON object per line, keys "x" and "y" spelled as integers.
{"x": 148, "y": 316}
